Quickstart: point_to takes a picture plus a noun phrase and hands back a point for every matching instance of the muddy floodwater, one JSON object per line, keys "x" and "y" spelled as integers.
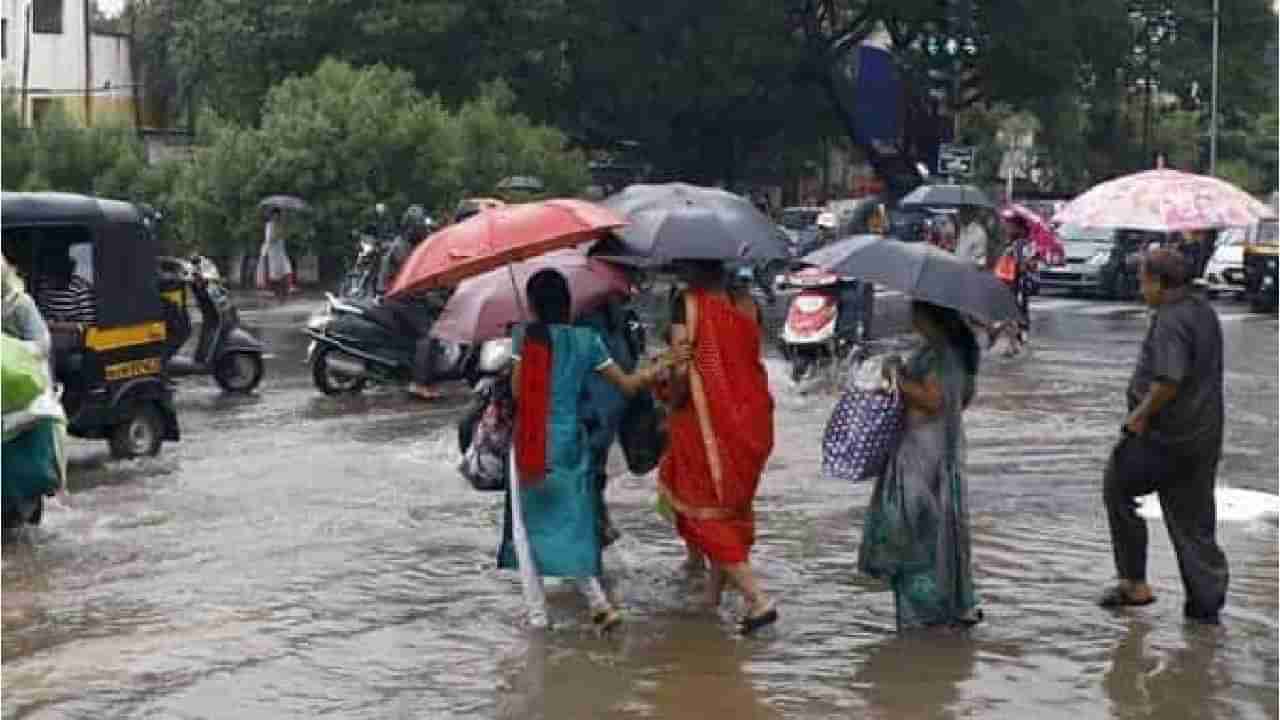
{"x": 297, "y": 556}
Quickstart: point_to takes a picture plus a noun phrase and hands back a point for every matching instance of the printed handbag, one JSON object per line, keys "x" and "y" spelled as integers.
{"x": 865, "y": 426}
{"x": 484, "y": 462}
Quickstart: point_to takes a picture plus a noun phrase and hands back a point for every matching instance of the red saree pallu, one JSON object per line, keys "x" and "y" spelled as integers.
{"x": 721, "y": 438}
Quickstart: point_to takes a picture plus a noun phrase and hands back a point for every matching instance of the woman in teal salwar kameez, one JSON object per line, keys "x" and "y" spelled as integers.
{"x": 552, "y": 523}
{"x": 916, "y": 534}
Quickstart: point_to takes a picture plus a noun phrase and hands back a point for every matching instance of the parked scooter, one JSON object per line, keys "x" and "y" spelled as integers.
{"x": 827, "y": 320}
{"x": 358, "y": 341}
{"x": 224, "y": 349}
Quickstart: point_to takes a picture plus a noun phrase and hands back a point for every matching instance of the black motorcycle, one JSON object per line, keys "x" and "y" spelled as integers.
{"x": 224, "y": 349}
{"x": 358, "y": 341}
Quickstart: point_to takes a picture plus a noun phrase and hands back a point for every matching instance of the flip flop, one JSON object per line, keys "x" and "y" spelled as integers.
{"x": 1118, "y": 597}
{"x": 606, "y": 620}
{"x": 750, "y": 624}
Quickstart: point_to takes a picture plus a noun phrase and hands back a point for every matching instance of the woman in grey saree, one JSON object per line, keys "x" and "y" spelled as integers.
{"x": 916, "y": 535}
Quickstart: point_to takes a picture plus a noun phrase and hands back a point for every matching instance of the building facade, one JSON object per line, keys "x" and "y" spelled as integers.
{"x": 54, "y": 59}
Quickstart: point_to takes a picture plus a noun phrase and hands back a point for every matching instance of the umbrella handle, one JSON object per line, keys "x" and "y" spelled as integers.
{"x": 515, "y": 289}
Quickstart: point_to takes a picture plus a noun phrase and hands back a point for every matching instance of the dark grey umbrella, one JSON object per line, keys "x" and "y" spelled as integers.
{"x": 676, "y": 221}
{"x": 920, "y": 270}
{"x": 947, "y": 196}
{"x": 284, "y": 202}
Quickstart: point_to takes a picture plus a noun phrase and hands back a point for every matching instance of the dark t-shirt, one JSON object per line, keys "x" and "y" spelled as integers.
{"x": 1183, "y": 347}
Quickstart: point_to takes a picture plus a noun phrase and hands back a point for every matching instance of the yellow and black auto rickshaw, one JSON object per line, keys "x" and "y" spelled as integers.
{"x": 1261, "y": 257}
{"x": 90, "y": 264}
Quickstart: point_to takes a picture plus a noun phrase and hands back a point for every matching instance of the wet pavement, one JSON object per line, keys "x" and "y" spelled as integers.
{"x": 301, "y": 556}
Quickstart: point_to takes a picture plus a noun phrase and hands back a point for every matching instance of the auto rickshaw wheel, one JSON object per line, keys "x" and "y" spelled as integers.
{"x": 139, "y": 435}
{"x": 238, "y": 372}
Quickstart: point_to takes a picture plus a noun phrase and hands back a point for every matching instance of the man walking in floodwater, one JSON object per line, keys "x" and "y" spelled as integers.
{"x": 1171, "y": 445}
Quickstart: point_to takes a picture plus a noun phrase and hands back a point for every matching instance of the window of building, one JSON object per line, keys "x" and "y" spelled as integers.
{"x": 4, "y": 39}
{"x": 47, "y": 16}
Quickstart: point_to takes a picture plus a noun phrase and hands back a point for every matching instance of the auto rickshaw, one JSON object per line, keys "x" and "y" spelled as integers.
{"x": 1261, "y": 257}
{"x": 112, "y": 369}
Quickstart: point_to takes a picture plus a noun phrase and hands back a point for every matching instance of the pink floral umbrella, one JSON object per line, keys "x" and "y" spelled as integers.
{"x": 1043, "y": 238}
{"x": 483, "y": 306}
{"x": 1164, "y": 201}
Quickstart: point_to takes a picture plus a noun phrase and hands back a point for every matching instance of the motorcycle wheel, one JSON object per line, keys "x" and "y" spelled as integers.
{"x": 331, "y": 383}
{"x": 238, "y": 372}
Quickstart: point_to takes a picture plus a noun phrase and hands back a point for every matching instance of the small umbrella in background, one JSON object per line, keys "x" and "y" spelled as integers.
{"x": 1164, "y": 201}
{"x": 523, "y": 183}
{"x": 1043, "y": 238}
{"x": 283, "y": 202}
{"x": 483, "y": 307}
{"x": 676, "y": 221}
{"x": 951, "y": 196}
{"x": 920, "y": 270}
{"x": 498, "y": 237}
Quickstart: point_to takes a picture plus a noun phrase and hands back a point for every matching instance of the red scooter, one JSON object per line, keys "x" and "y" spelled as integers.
{"x": 827, "y": 319}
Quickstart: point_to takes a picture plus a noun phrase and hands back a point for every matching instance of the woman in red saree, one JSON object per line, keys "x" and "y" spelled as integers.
{"x": 721, "y": 433}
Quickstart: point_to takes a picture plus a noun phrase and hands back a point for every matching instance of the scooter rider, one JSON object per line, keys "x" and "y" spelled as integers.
{"x": 414, "y": 228}
{"x": 414, "y": 311}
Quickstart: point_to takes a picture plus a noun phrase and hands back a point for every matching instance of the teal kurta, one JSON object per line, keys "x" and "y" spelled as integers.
{"x": 560, "y": 512}
{"x": 916, "y": 534}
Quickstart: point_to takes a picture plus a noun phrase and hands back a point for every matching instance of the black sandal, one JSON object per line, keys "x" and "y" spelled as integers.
{"x": 1118, "y": 597}
{"x": 750, "y": 623}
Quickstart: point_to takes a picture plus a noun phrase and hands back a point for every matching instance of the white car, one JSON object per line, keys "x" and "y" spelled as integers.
{"x": 1224, "y": 272}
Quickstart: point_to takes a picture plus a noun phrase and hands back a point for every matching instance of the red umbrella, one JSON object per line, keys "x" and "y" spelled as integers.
{"x": 1043, "y": 238}
{"x": 498, "y": 237}
{"x": 483, "y": 306}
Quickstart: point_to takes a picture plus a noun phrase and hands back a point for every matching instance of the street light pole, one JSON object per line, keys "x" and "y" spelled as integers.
{"x": 1213, "y": 111}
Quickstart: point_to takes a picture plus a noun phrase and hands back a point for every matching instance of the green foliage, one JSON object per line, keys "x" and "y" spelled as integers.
{"x": 59, "y": 155}
{"x": 345, "y": 138}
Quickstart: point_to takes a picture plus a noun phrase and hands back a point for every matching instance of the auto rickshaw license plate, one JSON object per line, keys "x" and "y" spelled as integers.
{"x": 132, "y": 369}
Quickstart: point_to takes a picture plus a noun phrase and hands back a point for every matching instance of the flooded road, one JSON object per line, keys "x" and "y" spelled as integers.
{"x": 300, "y": 556}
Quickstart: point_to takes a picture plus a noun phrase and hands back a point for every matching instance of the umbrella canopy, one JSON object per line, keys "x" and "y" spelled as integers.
{"x": 1043, "y": 238}
{"x": 527, "y": 183}
{"x": 676, "y": 221}
{"x": 947, "y": 196}
{"x": 1164, "y": 201}
{"x": 498, "y": 237}
{"x": 920, "y": 270}
{"x": 483, "y": 306}
{"x": 283, "y": 202}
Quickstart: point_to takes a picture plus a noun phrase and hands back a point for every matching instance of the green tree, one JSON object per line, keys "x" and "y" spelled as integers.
{"x": 345, "y": 138}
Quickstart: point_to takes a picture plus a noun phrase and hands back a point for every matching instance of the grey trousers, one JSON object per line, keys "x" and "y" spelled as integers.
{"x": 1184, "y": 480}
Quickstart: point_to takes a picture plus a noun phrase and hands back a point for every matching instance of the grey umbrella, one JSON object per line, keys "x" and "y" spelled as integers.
{"x": 920, "y": 270}
{"x": 284, "y": 202}
{"x": 676, "y": 221}
{"x": 947, "y": 196}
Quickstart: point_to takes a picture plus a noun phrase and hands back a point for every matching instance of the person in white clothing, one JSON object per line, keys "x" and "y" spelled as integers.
{"x": 275, "y": 271}
{"x": 972, "y": 243}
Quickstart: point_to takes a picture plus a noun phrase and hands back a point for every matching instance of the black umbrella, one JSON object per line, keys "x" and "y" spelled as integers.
{"x": 947, "y": 196}
{"x": 283, "y": 202}
{"x": 920, "y": 270}
{"x": 676, "y": 221}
